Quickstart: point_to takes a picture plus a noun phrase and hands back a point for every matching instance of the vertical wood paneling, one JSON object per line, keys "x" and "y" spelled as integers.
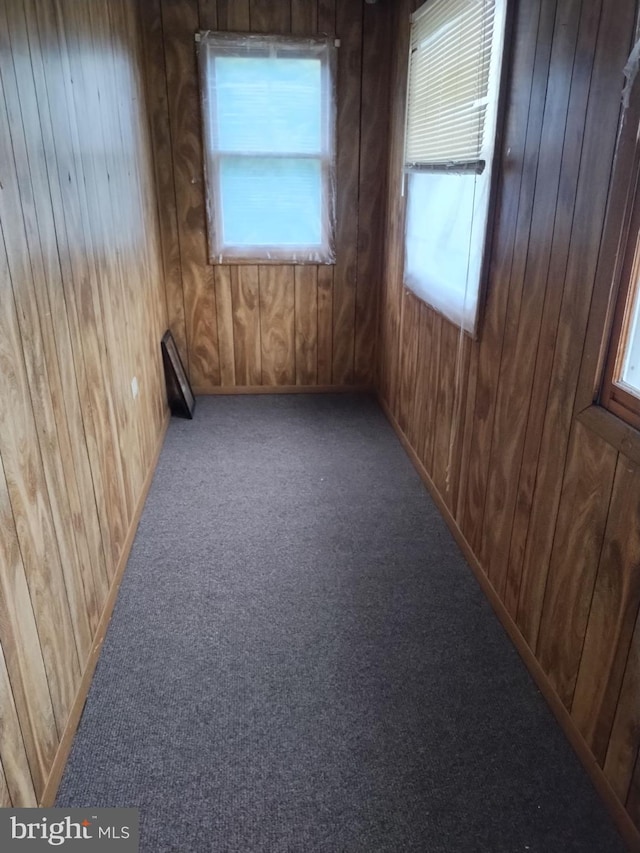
{"x": 614, "y": 39}
{"x": 613, "y": 614}
{"x": 526, "y": 298}
{"x": 23, "y": 454}
{"x": 180, "y": 22}
{"x": 624, "y": 743}
{"x": 224, "y": 303}
{"x": 521, "y": 135}
{"x": 349, "y": 30}
{"x": 53, "y": 316}
{"x": 156, "y": 73}
{"x": 304, "y": 17}
{"x": 548, "y": 507}
{"x": 563, "y": 223}
{"x": 325, "y": 325}
{"x": 246, "y": 324}
{"x": 277, "y": 329}
{"x": 306, "y": 322}
{"x": 371, "y": 189}
{"x": 582, "y": 516}
{"x": 82, "y": 309}
{"x": 222, "y": 311}
{"x": 13, "y": 756}
{"x": 23, "y": 653}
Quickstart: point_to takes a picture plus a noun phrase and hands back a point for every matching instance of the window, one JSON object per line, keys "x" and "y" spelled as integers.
{"x": 621, "y": 385}
{"x": 452, "y": 108}
{"x": 269, "y": 137}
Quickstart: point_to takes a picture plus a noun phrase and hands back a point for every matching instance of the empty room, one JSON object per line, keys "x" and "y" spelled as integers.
{"x": 320, "y": 426}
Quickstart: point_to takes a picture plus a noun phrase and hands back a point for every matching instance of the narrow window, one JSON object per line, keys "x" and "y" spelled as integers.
{"x": 455, "y": 70}
{"x": 269, "y": 138}
{"x": 621, "y": 386}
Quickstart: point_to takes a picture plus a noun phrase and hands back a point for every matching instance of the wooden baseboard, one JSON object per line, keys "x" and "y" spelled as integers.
{"x": 283, "y": 389}
{"x": 620, "y": 816}
{"x": 64, "y": 747}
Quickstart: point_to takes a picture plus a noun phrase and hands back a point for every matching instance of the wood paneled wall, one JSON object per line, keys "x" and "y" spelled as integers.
{"x": 549, "y": 508}
{"x": 276, "y": 325}
{"x": 82, "y": 309}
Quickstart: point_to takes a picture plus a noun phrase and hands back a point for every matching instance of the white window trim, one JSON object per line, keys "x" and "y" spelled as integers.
{"x": 210, "y": 44}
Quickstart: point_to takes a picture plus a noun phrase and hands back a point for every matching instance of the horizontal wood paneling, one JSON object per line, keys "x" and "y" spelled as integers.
{"x": 548, "y": 507}
{"x": 316, "y": 325}
{"x": 82, "y": 310}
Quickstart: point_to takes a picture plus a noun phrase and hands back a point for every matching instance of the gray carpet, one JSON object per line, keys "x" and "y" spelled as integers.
{"x": 300, "y": 659}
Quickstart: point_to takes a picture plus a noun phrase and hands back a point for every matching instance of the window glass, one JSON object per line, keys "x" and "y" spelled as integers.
{"x": 269, "y": 107}
{"x": 630, "y": 373}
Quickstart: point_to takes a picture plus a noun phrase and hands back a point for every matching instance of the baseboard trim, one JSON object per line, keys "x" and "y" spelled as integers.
{"x": 283, "y": 389}
{"x": 64, "y": 747}
{"x": 620, "y": 816}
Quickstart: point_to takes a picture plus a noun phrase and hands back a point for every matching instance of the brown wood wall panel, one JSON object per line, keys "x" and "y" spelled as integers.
{"x": 217, "y": 311}
{"x": 15, "y": 762}
{"x": 82, "y": 310}
{"x": 548, "y": 507}
{"x": 582, "y": 517}
{"x": 600, "y": 132}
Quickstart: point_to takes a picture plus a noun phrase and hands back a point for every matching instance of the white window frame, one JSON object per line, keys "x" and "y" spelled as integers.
{"x": 211, "y": 44}
{"x": 459, "y": 301}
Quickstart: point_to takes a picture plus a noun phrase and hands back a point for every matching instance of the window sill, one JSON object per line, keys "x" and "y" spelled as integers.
{"x": 613, "y": 430}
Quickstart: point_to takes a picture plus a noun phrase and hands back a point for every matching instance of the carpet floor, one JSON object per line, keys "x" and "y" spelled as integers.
{"x": 300, "y": 659}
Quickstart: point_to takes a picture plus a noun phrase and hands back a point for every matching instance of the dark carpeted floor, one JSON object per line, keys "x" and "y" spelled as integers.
{"x": 300, "y": 659}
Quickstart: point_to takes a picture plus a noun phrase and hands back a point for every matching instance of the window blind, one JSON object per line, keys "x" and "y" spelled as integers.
{"x": 451, "y": 46}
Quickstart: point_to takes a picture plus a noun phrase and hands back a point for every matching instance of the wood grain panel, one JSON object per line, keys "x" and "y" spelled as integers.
{"x": 527, "y": 291}
{"x": 233, "y": 15}
{"x": 344, "y": 314}
{"x": 277, "y": 325}
{"x": 563, "y": 223}
{"x": 536, "y": 493}
{"x": 349, "y": 30}
{"x": 408, "y": 359}
{"x": 306, "y": 323}
{"x": 23, "y": 651}
{"x": 5, "y": 799}
{"x": 304, "y": 17}
{"x": 372, "y": 187}
{"x": 86, "y": 545}
{"x": 224, "y": 304}
{"x": 613, "y": 614}
{"x": 82, "y": 310}
{"x": 245, "y": 287}
{"x": 616, "y": 26}
{"x": 24, "y": 452}
{"x": 180, "y": 22}
{"x": 17, "y": 776}
{"x": 447, "y": 428}
{"x": 624, "y": 743}
{"x": 269, "y": 17}
{"x": 80, "y": 283}
{"x": 151, "y": 20}
{"x": 208, "y": 14}
{"x": 521, "y": 136}
{"x": 582, "y": 516}
{"x": 325, "y": 325}
{"x": 633, "y": 800}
